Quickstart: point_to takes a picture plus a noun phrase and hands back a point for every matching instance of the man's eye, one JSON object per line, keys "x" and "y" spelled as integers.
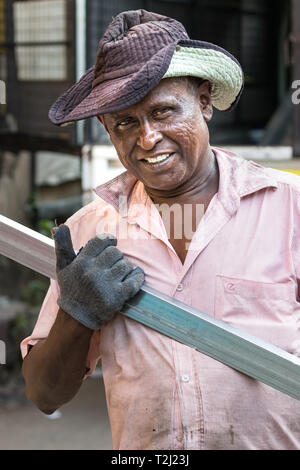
{"x": 124, "y": 123}
{"x": 161, "y": 112}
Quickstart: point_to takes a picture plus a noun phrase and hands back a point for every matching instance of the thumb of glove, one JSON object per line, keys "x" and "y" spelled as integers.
{"x": 63, "y": 247}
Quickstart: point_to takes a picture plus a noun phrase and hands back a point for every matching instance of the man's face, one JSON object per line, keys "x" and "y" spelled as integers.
{"x": 163, "y": 139}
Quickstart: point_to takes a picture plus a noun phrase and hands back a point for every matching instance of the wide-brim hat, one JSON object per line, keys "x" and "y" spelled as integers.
{"x": 138, "y": 49}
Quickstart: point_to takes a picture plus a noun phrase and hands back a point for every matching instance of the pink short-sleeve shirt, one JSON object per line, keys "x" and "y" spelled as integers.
{"x": 244, "y": 270}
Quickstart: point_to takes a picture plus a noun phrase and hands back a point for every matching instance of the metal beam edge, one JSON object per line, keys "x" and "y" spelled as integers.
{"x": 219, "y": 340}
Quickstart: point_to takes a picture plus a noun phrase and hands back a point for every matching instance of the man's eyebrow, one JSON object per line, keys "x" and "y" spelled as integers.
{"x": 155, "y": 104}
{"x": 163, "y": 102}
{"x": 117, "y": 116}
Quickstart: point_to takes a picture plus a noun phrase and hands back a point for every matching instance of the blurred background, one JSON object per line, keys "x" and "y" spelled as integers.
{"x": 47, "y": 173}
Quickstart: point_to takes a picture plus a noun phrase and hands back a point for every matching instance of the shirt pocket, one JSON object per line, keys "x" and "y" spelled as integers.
{"x": 251, "y": 304}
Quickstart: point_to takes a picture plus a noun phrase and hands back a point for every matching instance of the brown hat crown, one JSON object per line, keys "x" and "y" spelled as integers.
{"x": 138, "y": 49}
{"x": 132, "y": 38}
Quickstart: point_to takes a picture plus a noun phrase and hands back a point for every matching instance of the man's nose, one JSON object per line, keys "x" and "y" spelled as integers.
{"x": 148, "y": 137}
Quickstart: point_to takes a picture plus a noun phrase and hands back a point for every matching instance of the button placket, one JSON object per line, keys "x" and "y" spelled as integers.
{"x": 184, "y": 365}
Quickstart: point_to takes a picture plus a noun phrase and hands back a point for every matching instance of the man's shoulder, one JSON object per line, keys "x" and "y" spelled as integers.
{"x": 87, "y": 221}
{"x": 283, "y": 179}
{"x": 84, "y": 224}
{"x": 89, "y": 210}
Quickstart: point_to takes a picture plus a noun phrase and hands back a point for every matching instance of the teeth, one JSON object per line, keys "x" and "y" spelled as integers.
{"x": 159, "y": 158}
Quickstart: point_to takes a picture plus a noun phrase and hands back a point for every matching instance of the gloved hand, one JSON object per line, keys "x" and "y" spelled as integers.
{"x": 93, "y": 285}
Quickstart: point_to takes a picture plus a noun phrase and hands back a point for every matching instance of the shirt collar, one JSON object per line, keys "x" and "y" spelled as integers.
{"x": 238, "y": 178}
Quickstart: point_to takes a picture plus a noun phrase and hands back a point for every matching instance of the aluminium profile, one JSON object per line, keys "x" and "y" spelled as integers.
{"x": 231, "y": 346}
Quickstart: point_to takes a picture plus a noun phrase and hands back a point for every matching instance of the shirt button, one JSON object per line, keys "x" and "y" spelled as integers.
{"x": 179, "y": 288}
{"x": 230, "y": 286}
{"x": 185, "y": 378}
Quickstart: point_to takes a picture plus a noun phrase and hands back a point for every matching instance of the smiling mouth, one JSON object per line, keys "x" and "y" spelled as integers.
{"x": 160, "y": 158}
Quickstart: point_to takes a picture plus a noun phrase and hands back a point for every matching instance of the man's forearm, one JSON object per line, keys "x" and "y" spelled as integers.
{"x": 54, "y": 368}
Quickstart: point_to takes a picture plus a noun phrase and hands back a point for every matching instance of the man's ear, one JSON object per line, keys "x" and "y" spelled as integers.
{"x": 101, "y": 119}
{"x": 204, "y": 96}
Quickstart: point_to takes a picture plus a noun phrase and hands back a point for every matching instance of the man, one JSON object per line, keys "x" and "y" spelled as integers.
{"x": 239, "y": 262}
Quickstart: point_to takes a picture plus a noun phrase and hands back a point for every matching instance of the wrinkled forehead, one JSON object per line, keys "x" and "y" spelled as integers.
{"x": 168, "y": 91}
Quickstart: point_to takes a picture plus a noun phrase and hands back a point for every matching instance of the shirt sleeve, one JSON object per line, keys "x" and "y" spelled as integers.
{"x": 47, "y": 317}
{"x": 44, "y": 324}
{"x": 296, "y": 239}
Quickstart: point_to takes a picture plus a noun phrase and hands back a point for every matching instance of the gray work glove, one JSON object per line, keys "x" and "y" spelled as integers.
{"x": 95, "y": 284}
